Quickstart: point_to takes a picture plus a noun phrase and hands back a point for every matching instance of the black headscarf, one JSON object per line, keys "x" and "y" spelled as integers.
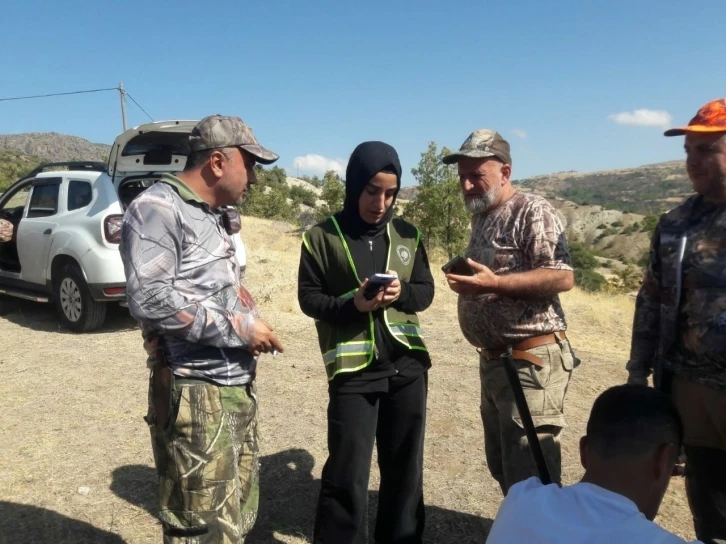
{"x": 367, "y": 160}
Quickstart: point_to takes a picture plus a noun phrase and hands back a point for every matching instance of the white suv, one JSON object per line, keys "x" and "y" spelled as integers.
{"x": 67, "y": 223}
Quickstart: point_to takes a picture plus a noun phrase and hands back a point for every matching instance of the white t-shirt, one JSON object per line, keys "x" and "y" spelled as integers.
{"x": 580, "y": 513}
{"x": 240, "y": 253}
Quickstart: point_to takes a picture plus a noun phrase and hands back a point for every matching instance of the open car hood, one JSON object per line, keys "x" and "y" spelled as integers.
{"x": 161, "y": 146}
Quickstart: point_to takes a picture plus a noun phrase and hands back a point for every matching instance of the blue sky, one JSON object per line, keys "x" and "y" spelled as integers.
{"x": 316, "y": 78}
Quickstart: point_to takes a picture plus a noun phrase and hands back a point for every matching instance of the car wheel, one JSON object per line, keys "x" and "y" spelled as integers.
{"x": 76, "y": 308}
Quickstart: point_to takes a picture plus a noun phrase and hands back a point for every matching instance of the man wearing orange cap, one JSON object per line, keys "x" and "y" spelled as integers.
{"x": 679, "y": 329}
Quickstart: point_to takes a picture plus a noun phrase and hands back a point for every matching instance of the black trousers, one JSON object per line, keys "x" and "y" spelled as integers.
{"x": 395, "y": 420}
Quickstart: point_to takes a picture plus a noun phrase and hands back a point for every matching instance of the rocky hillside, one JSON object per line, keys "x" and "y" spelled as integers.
{"x": 624, "y": 237}
{"x": 15, "y": 164}
{"x": 20, "y": 153}
{"x": 646, "y": 190}
{"x": 604, "y": 210}
{"x": 296, "y": 182}
{"x": 54, "y": 147}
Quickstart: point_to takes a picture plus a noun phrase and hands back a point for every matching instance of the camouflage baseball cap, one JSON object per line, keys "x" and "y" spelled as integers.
{"x": 218, "y": 131}
{"x": 480, "y": 144}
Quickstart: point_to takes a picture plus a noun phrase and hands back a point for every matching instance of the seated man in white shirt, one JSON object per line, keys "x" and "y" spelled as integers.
{"x": 630, "y": 451}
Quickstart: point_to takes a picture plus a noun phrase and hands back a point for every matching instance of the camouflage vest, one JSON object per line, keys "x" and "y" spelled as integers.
{"x": 672, "y": 245}
{"x": 348, "y": 348}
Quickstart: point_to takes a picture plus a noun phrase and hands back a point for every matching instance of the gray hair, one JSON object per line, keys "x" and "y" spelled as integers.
{"x": 197, "y": 159}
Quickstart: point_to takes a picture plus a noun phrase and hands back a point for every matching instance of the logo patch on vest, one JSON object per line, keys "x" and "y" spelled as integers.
{"x": 404, "y": 254}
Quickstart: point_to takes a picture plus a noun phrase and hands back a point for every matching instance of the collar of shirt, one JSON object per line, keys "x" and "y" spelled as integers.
{"x": 185, "y": 192}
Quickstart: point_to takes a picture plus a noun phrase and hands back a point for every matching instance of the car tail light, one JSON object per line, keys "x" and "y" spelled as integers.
{"x": 112, "y": 291}
{"x": 112, "y": 228}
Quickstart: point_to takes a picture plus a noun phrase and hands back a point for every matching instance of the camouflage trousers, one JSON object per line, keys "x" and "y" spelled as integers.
{"x": 507, "y": 450}
{"x": 206, "y": 457}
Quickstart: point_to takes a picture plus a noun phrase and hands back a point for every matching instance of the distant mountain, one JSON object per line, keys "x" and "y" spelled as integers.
{"x": 604, "y": 210}
{"x": 20, "y": 153}
{"x": 54, "y": 147}
{"x": 14, "y": 165}
{"x": 645, "y": 190}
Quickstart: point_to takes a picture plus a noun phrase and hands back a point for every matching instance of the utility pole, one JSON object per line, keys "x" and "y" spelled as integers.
{"x": 122, "y": 93}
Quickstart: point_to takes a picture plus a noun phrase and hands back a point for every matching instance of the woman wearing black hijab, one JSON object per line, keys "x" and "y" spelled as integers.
{"x": 373, "y": 350}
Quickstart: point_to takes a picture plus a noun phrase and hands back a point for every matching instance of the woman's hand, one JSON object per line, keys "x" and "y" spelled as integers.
{"x": 392, "y": 291}
{"x": 365, "y": 306}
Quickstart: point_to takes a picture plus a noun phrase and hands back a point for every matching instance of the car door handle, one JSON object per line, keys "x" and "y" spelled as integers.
{"x": 47, "y": 231}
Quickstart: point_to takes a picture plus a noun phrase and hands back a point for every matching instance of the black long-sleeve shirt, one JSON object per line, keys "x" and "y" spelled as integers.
{"x": 370, "y": 255}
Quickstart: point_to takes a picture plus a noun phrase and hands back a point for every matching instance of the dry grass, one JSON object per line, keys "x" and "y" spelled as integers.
{"x": 72, "y": 410}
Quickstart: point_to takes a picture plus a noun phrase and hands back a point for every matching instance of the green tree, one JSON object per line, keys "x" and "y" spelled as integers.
{"x": 276, "y": 176}
{"x": 301, "y": 195}
{"x": 582, "y": 258}
{"x": 631, "y": 278}
{"x": 268, "y": 198}
{"x": 332, "y": 195}
{"x": 649, "y": 223}
{"x": 438, "y": 209}
{"x": 268, "y": 203}
{"x": 589, "y": 280}
{"x": 315, "y": 181}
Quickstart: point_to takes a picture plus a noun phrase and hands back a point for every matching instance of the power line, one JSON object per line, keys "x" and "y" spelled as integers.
{"x": 120, "y": 89}
{"x": 139, "y": 105}
{"x": 61, "y": 94}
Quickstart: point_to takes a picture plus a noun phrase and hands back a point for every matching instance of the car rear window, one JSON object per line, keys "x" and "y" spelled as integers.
{"x": 173, "y": 143}
{"x": 80, "y": 194}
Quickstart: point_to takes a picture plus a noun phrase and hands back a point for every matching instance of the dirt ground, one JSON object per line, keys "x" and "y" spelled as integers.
{"x": 76, "y": 462}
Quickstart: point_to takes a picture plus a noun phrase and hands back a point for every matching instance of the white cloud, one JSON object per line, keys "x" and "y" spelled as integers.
{"x": 522, "y": 134}
{"x": 317, "y": 164}
{"x": 643, "y": 118}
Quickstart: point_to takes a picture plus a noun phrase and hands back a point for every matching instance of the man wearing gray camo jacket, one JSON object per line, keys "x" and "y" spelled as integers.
{"x": 184, "y": 287}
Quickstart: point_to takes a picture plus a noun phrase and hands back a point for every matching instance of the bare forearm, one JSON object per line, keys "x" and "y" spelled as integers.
{"x": 542, "y": 282}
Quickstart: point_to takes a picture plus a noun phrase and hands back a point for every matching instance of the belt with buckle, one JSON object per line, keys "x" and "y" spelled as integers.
{"x": 519, "y": 351}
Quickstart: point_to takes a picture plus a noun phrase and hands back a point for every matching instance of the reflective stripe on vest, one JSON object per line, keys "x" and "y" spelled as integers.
{"x": 348, "y": 349}
{"x": 356, "y": 351}
{"x": 406, "y": 329}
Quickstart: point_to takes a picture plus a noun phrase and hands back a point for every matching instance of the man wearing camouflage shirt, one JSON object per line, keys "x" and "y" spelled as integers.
{"x": 679, "y": 329}
{"x": 520, "y": 262}
{"x": 184, "y": 287}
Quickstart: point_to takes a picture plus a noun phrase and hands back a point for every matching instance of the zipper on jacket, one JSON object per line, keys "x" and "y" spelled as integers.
{"x": 370, "y": 245}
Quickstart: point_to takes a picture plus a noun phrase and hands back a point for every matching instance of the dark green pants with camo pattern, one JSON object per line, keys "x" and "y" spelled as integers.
{"x": 206, "y": 457}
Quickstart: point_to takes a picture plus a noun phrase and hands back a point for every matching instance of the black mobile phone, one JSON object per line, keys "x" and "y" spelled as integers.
{"x": 458, "y": 266}
{"x": 375, "y": 283}
{"x": 371, "y": 290}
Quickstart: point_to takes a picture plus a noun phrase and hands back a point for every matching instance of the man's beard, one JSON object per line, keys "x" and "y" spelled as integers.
{"x": 482, "y": 203}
